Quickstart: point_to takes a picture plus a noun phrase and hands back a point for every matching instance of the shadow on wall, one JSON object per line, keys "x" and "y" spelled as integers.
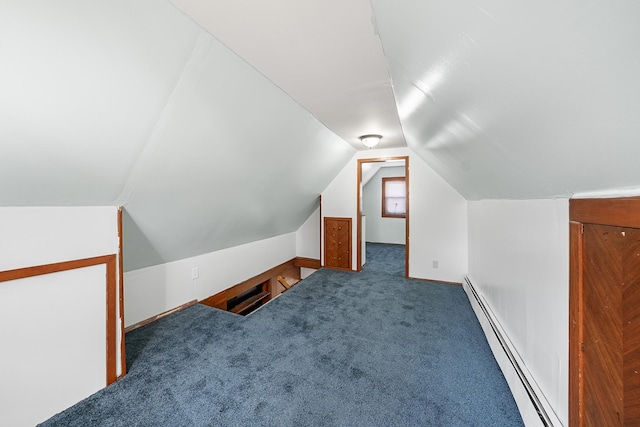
{"x": 138, "y": 250}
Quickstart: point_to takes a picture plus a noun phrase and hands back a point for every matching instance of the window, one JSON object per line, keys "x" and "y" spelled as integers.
{"x": 394, "y": 197}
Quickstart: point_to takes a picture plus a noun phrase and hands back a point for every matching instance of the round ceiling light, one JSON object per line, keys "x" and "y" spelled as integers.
{"x": 371, "y": 140}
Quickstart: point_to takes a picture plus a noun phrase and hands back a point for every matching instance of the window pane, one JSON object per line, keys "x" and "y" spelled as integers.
{"x": 394, "y": 189}
{"x": 395, "y": 206}
{"x": 394, "y": 193}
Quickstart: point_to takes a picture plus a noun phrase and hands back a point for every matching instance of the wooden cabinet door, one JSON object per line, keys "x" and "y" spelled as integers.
{"x": 337, "y": 243}
{"x": 611, "y": 326}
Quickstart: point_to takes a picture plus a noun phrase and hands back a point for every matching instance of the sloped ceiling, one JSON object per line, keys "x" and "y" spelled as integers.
{"x": 134, "y": 103}
{"x": 503, "y": 99}
{"x": 518, "y": 99}
{"x": 326, "y": 54}
{"x": 113, "y": 102}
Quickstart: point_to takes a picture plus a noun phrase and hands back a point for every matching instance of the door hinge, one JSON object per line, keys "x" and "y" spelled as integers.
{"x": 581, "y": 228}
{"x": 582, "y": 346}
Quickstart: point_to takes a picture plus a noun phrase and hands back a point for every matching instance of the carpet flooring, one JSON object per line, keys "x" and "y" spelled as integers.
{"x": 338, "y": 349}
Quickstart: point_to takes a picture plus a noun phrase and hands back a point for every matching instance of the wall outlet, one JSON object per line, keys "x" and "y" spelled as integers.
{"x": 435, "y": 263}
{"x": 195, "y": 273}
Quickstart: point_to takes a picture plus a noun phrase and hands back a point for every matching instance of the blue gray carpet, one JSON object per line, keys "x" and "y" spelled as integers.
{"x": 338, "y": 349}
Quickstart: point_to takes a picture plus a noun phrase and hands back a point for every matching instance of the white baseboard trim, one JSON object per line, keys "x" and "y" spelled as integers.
{"x": 534, "y": 407}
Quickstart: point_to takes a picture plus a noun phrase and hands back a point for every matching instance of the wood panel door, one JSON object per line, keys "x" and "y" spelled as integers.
{"x": 610, "y": 306}
{"x": 337, "y": 243}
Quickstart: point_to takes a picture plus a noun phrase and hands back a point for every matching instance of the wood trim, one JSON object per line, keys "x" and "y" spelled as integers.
{"x": 321, "y": 233}
{"x": 220, "y": 299}
{"x": 112, "y": 349}
{"x": 359, "y": 216}
{"x": 616, "y": 212}
{"x": 359, "y": 209}
{"x": 384, "y": 196}
{"x": 623, "y": 212}
{"x": 263, "y": 277}
{"x": 110, "y": 265}
{"x": 406, "y": 218}
{"x": 575, "y": 320}
{"x": 159, "y": 316}
{"x": 123, "y": 354}
{"x": 39, "y": 270}
{"x": 307, "y": 263}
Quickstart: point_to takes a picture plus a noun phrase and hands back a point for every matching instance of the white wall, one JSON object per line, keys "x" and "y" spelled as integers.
{"x": 519, "y": 262}
{"x": 45, "y": 235}
{"x": 154, "y": 290}
{"x": 437, "y": 215}
{"x": 308, "y": 237}
{"x": 438, "y": 227}
{"x": 379, "y": 229}
{"x": 308, "y": 241}
{"x": 48, "y": 320}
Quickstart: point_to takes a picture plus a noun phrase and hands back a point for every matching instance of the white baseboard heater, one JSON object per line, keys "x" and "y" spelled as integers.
{"x": 526, "y": 396}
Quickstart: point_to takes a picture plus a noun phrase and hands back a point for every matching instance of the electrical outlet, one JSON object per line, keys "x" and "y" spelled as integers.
{"x": 435, "y": 263}
{"x": 195, "y": 273}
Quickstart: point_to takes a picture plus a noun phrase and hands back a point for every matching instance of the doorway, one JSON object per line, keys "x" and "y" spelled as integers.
{"x": 361, "y": 176}
{"x": 604, "y": 312}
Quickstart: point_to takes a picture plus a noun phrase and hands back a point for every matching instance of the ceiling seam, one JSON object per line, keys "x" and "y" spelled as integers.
{"x": 257, "y": 71}
{"x": 147, "y": 151}
{"x": 376, "y": 30}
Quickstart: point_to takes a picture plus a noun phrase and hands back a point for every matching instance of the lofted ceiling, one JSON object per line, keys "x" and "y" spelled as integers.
{"x": 195, "y": 115}
{"x": 503, "y": 99}
{"x": 325, "y": 54}
{"x": 113, "y": 102}
{"x": 518, "y": 100}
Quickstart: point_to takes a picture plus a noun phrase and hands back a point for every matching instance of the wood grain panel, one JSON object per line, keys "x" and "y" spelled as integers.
{"x": 616, "y": 212}
{"x": 631, "y": 331}
{"x": 337, "y": 243}
{"x": 575, "y": 324}
{"x": 112, "y": 349}
{"x": 603, "y": 378}
{"x": 219, "y": 300}
{"x": 307, "y": 263}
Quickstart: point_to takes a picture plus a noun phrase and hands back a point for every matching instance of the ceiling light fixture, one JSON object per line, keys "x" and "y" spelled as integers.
{"x": 371, "y": 140}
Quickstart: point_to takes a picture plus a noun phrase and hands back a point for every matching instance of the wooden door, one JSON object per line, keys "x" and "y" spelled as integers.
{"x": 337, "y": 243}
{"x": 610, "y": 365}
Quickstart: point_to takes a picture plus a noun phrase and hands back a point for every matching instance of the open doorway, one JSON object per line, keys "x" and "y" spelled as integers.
{"x": 367, "y": 168}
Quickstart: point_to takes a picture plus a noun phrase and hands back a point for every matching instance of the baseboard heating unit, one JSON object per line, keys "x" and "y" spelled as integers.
{"x": 531, "y": 403}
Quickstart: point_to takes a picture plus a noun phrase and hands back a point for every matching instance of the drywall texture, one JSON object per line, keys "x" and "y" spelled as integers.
{"x": 519, "y": 262}
{"x": 380, "y": 229}
{"x": 38, "y": 314}
{"x": 45, "y": 235}
{"x": 528, "y": 411}
{"x": 500, "y": 98}
{"x": 105, "y": 103}
{"x": 42, "y": 337}
{"x": 153, "y": 290}
{"x": 308, "y": 237}
{"x": 233, "y": 160}
{"x": 326, "y": 54}
{"x": 437, "y": 216}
